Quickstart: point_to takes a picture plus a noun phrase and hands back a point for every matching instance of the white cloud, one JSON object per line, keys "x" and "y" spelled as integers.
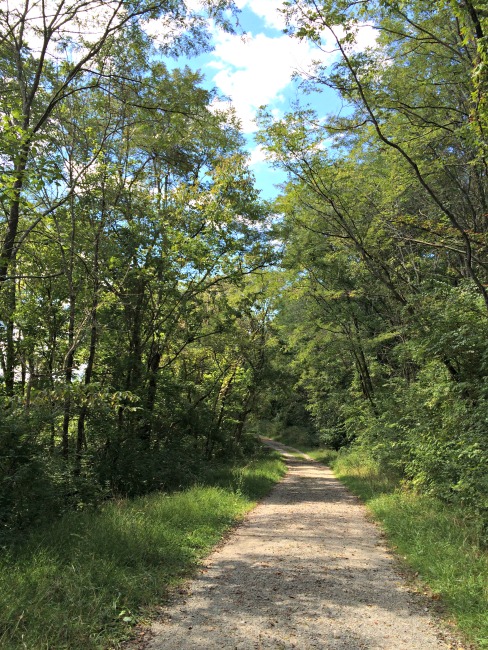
{"x": 256, "y": 70}
{"x": 258, "y": 155}
{"x": 164, "y": 31}
{"x": 268, "y": 10}
{"x": 194, "y": 5}
{"x": 81, "y": 23}
{"x": 365, "y": 36}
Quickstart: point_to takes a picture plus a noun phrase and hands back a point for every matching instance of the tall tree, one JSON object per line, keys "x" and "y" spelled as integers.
{"x": 384, "y": 230}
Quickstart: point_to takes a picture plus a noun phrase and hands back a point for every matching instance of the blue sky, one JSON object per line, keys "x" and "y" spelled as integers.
{"x": 252, "y": 69}
{"x": 256, "y": 69}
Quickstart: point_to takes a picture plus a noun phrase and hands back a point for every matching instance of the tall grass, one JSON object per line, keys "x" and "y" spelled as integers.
{"x": 83, "y": 582}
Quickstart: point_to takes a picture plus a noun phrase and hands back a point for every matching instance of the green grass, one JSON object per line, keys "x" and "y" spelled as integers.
{"x": 83, "y": 582}
{"x": 324, "y": 456}
{"x": 441, "y": 548}
{"x": 433, "y": 539}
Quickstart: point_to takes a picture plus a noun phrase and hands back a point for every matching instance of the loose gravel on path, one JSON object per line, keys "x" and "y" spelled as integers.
{"x": 306, "y": 569}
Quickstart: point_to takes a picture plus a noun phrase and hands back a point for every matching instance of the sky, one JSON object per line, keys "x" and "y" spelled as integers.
{"x": 250, "y": 69}
{"x": 253, "y": 70}
{"x": 256, "y": 69}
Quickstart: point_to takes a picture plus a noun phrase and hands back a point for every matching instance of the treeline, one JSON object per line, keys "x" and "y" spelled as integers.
{"x": 383, "y": 308}
{"x": 132, "y": 329}
{"x": 144, "y": 318}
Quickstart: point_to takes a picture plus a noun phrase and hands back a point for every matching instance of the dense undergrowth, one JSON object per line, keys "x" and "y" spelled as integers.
{"x": 86, "y": 580}
{"x": 436, "y": 540}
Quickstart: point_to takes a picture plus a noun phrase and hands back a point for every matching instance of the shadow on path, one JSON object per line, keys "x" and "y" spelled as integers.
{"x": 305, "y": 570}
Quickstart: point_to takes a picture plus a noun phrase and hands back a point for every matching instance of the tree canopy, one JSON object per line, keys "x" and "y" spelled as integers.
{"x": 154, "y": 309}
{"x": 384, "y": 301}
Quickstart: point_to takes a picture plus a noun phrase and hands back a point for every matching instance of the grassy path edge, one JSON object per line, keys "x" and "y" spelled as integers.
{"x": 435, "y": 545}
{"x": 87, "y": 580}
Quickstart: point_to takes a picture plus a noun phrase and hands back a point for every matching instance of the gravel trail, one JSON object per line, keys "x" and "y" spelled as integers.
{"x": 306, "y": 569}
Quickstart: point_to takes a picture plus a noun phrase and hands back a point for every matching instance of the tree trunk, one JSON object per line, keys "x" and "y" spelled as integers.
{"x": 80, "y": 437}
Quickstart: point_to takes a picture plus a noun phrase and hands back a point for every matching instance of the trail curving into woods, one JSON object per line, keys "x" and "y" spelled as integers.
{"x": 306, "y": 569}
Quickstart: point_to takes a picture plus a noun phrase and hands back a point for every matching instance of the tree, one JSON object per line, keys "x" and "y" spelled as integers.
{"x": 50, "y": 52}
{"x": 414, "y": 92}
{"x": 133, "y": 222}
{"x": 384, "y": 224}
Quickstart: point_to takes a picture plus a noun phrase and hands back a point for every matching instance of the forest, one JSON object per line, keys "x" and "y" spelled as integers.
{"x": 156, "y": 314}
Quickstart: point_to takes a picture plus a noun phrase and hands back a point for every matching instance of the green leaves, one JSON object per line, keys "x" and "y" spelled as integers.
{"x": 132, "y": 225}
{"x": 382, "y": 310}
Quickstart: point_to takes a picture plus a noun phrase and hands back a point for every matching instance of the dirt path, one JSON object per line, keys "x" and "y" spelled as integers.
{"x": 305, "y": 570}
